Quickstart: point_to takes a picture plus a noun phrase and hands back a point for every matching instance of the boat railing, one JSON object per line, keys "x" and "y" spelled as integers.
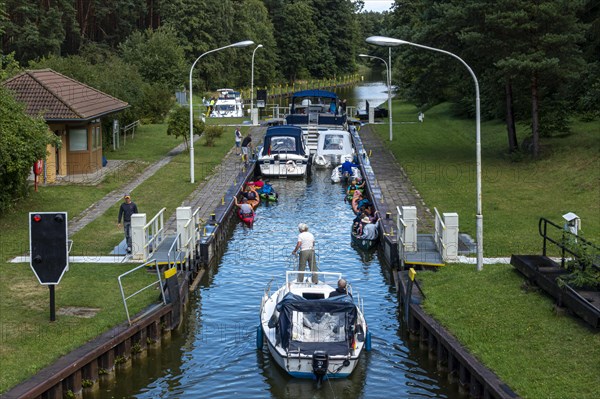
{"x": 291, "y": 275}
{"x": 438, "y": 236}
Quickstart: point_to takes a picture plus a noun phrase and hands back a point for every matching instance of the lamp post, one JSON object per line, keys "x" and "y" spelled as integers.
{"x": 388, "y": 41}
{"x": 252, "y": 81}
{"x": 389, "y": 85}
{"x": 245, "y": 43}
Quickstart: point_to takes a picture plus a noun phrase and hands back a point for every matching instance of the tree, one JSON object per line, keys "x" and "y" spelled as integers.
{"x": 179, "y": 124}
{"x": 23, "y": 140}
{"x": 158, "y": 55}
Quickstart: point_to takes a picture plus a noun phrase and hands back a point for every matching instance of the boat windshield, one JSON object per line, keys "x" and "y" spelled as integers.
{"x": 283, "y": 143}
{"x": 319, "y": 326}
{"x": 225, "y": 107}
{"x": 333, "y": 142}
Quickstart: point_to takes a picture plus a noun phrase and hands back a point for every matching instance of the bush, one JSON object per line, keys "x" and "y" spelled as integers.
{"x": 23, "y": 141}
{"x": 179, "y": 124}
{"x": 211, "y": 134}
{"x": 156, "y": 103}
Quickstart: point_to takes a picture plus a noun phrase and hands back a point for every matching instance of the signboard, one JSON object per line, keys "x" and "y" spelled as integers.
{"x": 48, "y": 246}
{"x": 260, "y": 103}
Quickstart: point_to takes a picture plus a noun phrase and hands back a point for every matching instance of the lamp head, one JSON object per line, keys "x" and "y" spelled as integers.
{"x": 245, "y": 43}
{"x": 259, "y": 46}
{"x": 385, "y": 41}
{"x": 364, "y": 55}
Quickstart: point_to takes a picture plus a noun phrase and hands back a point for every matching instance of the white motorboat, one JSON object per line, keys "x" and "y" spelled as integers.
{"x": 310, "y": 331}
{"x": 228, "y": 105}
{"x": 283, "y": 152}
{"x": 333, "y": 147}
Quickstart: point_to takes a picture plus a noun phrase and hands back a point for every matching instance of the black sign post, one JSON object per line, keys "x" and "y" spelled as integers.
{"x": 49, "y": 249}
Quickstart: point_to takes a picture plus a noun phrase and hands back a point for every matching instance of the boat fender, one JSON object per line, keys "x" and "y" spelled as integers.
{"x": 259, "y": 337}
{"x": 368, "y": 341}
{"x": 290, "y": 166}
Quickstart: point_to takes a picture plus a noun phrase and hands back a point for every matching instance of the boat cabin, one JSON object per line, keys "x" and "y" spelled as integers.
{"x": 315, "y": 107}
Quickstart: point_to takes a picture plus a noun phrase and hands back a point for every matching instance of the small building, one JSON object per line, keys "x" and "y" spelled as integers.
{"x": 73, "y": 111}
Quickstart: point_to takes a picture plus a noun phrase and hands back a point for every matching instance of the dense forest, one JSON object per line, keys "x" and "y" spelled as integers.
{"x": 536, "y": 60}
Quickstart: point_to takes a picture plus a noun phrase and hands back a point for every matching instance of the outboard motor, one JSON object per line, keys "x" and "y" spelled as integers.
{"x": 320, "y": 364}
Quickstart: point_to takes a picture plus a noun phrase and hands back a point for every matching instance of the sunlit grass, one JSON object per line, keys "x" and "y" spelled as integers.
{"x": 439, "y": 157}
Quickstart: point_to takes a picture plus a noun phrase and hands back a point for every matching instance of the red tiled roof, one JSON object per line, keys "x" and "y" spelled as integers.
{"x": 58, "y": 97}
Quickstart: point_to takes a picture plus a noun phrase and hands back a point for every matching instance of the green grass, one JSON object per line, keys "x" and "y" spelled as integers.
{"x": 516, "y": 333}
{"x": 439, "y": 157}
{"x": 29, "y": 341}
{"x": 150, "y": 144}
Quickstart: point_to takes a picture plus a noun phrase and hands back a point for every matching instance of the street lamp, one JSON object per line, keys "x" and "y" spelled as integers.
{"x": 252, "y": 81}
{"x": 389, "y": 85}
{"x": 245, "y": 43}
{"x": 388, "y": 41}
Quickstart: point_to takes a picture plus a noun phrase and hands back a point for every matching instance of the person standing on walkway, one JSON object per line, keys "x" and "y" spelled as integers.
{"x": 306, "y": 245}
{"x": 246, "y": 144}
{"x": 238, "y": 140}
{"x": 127, "y": 209}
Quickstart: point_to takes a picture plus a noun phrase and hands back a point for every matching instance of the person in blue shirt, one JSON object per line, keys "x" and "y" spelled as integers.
{"x": 347, "y": 167}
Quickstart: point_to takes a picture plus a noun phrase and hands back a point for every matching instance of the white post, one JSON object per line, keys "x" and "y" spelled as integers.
{"x": 409, "y": 215}
{"x": 139, "y": 249}
{"x": 184, "y": 214}
{"x": 450, "y": 236}
{"x": 371, "y": 114}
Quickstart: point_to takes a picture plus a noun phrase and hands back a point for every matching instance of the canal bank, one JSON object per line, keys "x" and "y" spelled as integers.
{"x": 247, "y": 253}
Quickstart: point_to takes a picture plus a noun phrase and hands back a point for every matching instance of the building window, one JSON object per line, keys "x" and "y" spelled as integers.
{"x": 96, "y": 138}
{"x": 78, "y": 139}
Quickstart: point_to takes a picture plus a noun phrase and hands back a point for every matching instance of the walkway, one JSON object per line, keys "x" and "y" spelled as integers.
{"x": 99, "y": 208}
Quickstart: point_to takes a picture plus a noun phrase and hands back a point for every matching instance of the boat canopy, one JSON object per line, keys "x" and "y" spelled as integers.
{"x": 306, "y": 325}
{"x": 335, "y": 142}
{"x": 284, "y": 139}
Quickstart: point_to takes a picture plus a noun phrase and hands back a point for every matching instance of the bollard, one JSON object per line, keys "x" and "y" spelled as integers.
{"x": 388, "y": 215}
{"x": 213, "y": 217}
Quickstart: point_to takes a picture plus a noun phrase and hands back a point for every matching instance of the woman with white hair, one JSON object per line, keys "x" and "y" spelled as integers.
{"x": 306, "y": 245}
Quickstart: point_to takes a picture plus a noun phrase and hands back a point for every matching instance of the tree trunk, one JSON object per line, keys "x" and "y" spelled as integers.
{"x": 511, "y": 129}
{"x": 535, "y": 132}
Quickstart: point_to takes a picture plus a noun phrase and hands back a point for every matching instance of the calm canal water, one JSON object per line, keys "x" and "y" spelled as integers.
{"x": 214, "y": 354}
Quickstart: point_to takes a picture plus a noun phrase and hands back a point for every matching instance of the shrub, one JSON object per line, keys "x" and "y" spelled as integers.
{"x": 211, "y": 134}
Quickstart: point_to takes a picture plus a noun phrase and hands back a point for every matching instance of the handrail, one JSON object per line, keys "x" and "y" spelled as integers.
{"x": 159, "y": 281}
{"x": 156, "y": 225}
{"x": 440, "y": 227}
{"x": 543, "y": 230}
{"x": 174, "y": 248}
{"x": 401, "y": 226}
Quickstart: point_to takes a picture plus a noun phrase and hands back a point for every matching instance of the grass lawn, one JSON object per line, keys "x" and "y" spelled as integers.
{"x": 514, "y": 332}
{"x": 29, "y": 340}
{"x": 439, "y": 157}
{"x": 536, "y": 352}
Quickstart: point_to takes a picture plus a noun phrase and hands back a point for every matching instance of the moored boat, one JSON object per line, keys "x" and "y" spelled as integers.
{"x": 283, "y": 152}
{"x": 333, "y": 147}
{"x": 313, "y": 330}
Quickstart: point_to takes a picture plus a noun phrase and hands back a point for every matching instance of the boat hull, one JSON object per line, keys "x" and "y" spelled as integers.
{"x": 341, "y": 356}
{"x": 363, "y": 244}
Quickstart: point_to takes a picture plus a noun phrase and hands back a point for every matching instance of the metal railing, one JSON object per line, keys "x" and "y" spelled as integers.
{"x": 174, "y": 254}
{"x": 154, "y": 232}
{"x": 439, "y": 235}
{"x": 562, "y": 242}
{"x": 131, "y": 127}
{"x": 158, "y": 281}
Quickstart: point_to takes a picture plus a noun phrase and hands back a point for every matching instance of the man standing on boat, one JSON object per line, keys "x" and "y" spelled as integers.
{"x": 306, "y": 245}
